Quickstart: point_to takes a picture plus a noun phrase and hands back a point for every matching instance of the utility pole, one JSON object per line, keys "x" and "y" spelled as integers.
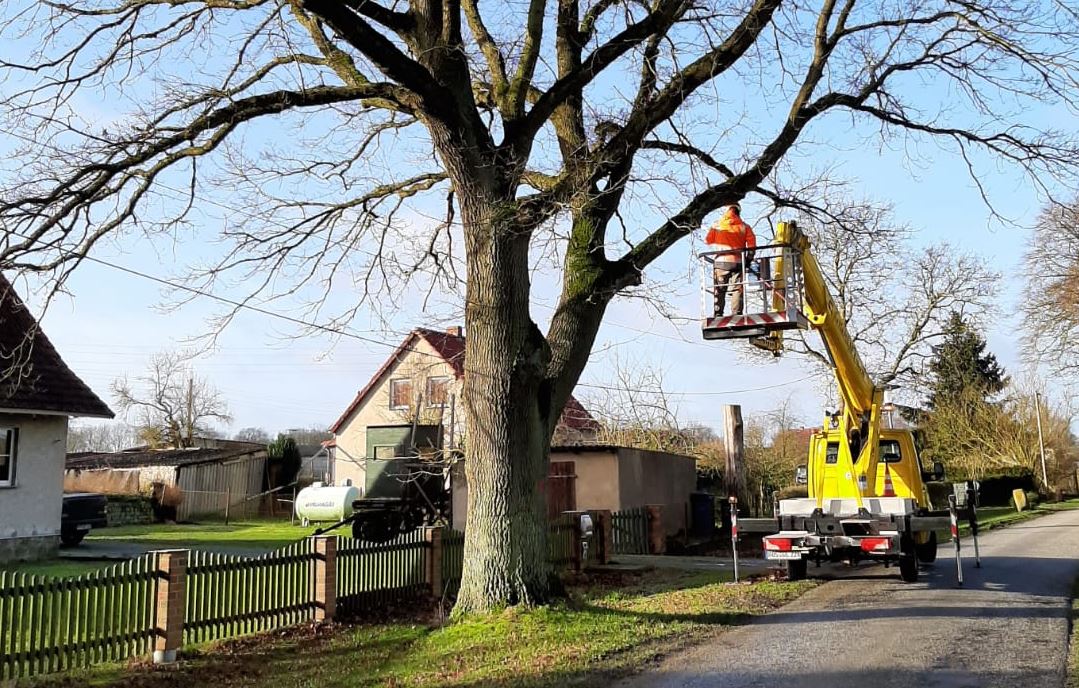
{"x": 734, "y": 476}
{"x": 1041, "y": 442}
{"x": 190, "y": 410}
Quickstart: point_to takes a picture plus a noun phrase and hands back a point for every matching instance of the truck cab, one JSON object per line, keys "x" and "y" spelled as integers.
{"x": 898, "y": 465}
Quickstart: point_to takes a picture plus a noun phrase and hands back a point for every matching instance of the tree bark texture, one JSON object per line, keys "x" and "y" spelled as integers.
{"x": 507, "y": 402}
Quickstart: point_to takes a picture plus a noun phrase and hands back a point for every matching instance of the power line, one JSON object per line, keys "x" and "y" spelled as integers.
{"x": 346, "y": 333}
{"x": 186, "y": 195}
{"x": 243, "y": 305}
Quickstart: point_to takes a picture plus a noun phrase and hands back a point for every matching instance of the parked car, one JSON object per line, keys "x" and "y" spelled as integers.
{"x": 82, "y": 511}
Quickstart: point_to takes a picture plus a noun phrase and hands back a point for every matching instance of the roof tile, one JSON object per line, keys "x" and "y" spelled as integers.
{"x": 33, "y": 377}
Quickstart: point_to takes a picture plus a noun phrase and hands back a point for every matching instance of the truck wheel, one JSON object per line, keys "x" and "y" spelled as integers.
{"x": 927, "y": 551}
{"x": 72, "y": 539}
{"x": 796, "y": 569}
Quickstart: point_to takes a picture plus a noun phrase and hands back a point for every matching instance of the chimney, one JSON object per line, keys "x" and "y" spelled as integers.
{"x": 455, "y": 331}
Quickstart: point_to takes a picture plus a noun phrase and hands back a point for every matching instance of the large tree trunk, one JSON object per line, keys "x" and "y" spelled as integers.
{"x": 508, "y": 405}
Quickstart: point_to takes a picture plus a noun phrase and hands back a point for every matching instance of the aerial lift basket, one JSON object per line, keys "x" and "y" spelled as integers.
{"x": 771, "y": 280}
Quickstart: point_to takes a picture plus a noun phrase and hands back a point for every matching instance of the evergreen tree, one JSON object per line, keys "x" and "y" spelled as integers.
{"x": 960, "y": 364}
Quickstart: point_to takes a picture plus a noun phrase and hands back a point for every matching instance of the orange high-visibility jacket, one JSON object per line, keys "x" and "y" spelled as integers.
{"x": 731, "y": 233}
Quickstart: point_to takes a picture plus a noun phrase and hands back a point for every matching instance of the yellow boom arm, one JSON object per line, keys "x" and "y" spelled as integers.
{"x": 859, "y": 424}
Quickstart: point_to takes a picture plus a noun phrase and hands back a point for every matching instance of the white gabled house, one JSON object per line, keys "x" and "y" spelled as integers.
{"x": 38, "y": 394}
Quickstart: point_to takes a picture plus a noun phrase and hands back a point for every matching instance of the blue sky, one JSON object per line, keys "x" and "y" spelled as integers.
{"x": 111, "y": 324}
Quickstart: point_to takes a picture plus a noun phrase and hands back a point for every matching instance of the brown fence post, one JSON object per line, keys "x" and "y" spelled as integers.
{"x": 170, "y": 567}
{"x": 604, "y": 535}
{"x": 325, "y": 577}
{"x": 434, "y": 560}
{"x": 657, "y": 537}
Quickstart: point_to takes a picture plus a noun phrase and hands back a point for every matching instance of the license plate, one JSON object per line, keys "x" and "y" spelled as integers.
{"x": 83, "y": 526}
{"x": 768, "y": 554}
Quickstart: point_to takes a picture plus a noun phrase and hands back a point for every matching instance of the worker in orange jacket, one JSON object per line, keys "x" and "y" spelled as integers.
{"x": 730, "y": 233}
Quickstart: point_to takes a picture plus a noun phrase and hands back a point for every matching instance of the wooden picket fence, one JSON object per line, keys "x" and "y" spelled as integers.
{"x": 453, "y": 559}
{"x": 233, "y": 595}
{"x": 370, "y": 575}
{"x": 562, "y": 540}
{"x": 629, "y": 530}
{"x": 54, "y": 624}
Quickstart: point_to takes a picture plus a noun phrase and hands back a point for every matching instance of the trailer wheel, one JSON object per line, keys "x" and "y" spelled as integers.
{"x": 796, "y": 569}
{"x": 927, "y": 551}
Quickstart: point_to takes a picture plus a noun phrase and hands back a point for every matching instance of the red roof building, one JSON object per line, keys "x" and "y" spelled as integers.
{"x": 412, "y": 405}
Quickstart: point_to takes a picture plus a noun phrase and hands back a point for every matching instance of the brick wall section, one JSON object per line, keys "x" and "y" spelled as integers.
{"x": 171, "y": 567}
{"x": 657, "y": 537}
{"x": 434, "y": 561}
{"x": 325, "y": 577}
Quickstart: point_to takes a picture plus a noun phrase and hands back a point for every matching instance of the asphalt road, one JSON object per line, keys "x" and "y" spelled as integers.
{"x": 1007, "y": 626}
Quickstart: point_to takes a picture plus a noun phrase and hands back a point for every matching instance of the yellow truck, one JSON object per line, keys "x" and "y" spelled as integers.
{"x": 867, "y": 497}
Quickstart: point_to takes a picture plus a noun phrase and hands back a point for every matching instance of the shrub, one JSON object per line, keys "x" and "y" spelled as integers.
{"x": 794, "y": 492}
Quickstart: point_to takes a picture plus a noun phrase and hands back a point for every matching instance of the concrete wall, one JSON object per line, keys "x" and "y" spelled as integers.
{"x": 649, "y": 477}
{"x": 110, "y": 481}
{"x": 418, "y": 365}
{"x": 597, "y": 477}
{"x": 30, "y": 511}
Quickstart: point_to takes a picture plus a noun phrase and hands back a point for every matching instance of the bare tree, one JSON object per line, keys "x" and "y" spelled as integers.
{"x": 550, "y": 124}
{"x": 1050, "y": 303}
{"x": 896, "y": 299}
{"x": 100, "y": 437}
{"x": 635, "y": 409}
{"x": 252, "y": 434}
{"x": 173, "y": 405}
{"x": 775, "y": 444}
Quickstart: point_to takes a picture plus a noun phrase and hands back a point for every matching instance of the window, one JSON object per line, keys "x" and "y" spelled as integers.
{"x": 400, "y": 393}
{"x": 438, "y": 389}
{"x": 831, "y": 453}
{"x": 385, "y": 451}
{"x": 890, "y": 452}
{"x": 9, "y": 439}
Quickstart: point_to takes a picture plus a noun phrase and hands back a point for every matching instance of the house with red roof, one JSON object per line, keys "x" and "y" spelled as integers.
{"x": 412, "y": 407}
{"x": 38, "y": 394}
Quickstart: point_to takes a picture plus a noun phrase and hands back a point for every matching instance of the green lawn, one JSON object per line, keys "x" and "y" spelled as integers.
{"x": 59, "y": 568}
{"x": 251, "y": 534}
{"x": 603, "y": 632}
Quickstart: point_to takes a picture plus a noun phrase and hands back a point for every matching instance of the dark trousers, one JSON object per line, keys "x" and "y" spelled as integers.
{"x": 724, "y": 273}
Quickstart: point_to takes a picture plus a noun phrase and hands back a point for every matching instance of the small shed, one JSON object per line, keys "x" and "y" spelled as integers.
{"x": 209, "y": 476}
{"x": 609, "y": 477}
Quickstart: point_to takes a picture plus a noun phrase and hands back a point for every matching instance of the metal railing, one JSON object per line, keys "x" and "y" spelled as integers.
{"x": 769, "y": 277}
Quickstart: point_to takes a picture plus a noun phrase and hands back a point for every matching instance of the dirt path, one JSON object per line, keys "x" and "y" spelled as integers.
{"x": 1008, "y": 626}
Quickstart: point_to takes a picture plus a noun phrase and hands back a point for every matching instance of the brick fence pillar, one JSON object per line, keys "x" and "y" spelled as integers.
{"x": 657, "y": 536}
{"x": 434, "y": 561}
{"x": 169, "y": 604}
{"x": 325, "y": 577}
{"x": 604, "y": 535}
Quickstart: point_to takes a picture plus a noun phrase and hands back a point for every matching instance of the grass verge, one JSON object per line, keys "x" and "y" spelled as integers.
{"x": 604, "y": 631}
{"x": 993, "y": 517}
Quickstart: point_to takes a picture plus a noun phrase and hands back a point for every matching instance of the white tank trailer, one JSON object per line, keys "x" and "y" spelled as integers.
{"x": 319, "y": 504}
